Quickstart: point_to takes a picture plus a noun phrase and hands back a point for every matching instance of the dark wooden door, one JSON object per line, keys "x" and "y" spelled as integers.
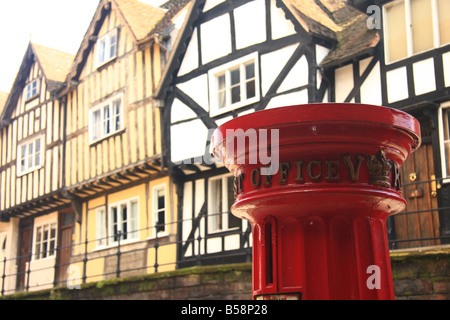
{"x": 64, "y": 246}
{"x": 24, "y": 256}
{"x": 418, "y": 221}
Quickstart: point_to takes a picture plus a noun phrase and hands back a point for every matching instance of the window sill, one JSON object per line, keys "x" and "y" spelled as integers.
{"x": 100, "y": 140}
{"x": 115, "y": 245}
{"x": 29, "y": 170}
{"x": 216, "y": 111}
{"x": 160, "y": 235}
{"x": 102, "y": 65}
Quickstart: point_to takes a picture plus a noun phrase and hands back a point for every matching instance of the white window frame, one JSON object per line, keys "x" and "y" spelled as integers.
{"x": 225, "y": 69}
{"x": 50, "y": 254}
{"x": 444, "y": 162}
{"x": 106, "y": 42}
{"x": 30, "y": 92}
{"x": 155, "y": 211}
{"x": 409, "y": 34}
{"x": 20, "y": 156}
{"x": 101, "y": 109}
{"x": 132, "y": 235}
{"x": 212, "y": 216}
{"x": 101, "y": 228}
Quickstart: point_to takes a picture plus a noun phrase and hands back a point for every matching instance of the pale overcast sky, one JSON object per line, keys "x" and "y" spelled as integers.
{"x": 59, "y": 24}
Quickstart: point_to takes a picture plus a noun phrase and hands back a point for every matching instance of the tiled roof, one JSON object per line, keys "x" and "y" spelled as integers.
{"x": 140, "y": 16}
{"x": 336, "y": 20}
{"x": 54, "y": 63}
{"x": 354, "y": 37}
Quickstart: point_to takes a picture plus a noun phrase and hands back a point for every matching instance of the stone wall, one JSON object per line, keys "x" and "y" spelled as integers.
{"x": 420, "y": 274}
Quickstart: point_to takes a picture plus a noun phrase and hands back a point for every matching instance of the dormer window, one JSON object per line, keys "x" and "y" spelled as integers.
{"x": 415, "y": 26}
{"x": 107, "y": 47}
{"x": 32, "y": 89}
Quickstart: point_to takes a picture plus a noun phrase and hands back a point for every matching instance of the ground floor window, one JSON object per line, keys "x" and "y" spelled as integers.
{"x": 220, "y": 200}
{"x": 45, "y": 241}
{"x": 121, "y": 221}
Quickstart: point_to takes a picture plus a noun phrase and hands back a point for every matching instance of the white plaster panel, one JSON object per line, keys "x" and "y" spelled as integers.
{"x": 298, "y": 76}
{"x": 232, "y": 242}
{"x": 190, "y": 60}
{"x": 188, "y": 140}
{"x": 371, "y": 88}
{"x": 397, "y": 84}
{"x": 214, "y": 245}
{"x": 180, "y": 111}
{"x": 215, "y": 38}
{"x": 446, "y": 62}
{"x": 191, "y": 88}
{"x": 250, "y": 23}
{"x": 424, "y": 78}
{"x": 321, "y": 53}
{"x": 343, "y": 82}
{"x": 272, "y": 63}
{"x": 209, "y": 4}
{"x": 281, "y": 27}
{"x": 284, "y": 100}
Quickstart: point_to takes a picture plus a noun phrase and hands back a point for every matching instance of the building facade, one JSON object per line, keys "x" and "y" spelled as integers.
{"x": 105, "y": 163}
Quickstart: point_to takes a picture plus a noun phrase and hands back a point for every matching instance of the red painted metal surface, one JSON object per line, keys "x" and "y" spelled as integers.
{"x": 319, "y": 221}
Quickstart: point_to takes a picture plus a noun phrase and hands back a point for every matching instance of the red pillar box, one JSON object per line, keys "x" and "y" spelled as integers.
{"x": 317, "y": 183}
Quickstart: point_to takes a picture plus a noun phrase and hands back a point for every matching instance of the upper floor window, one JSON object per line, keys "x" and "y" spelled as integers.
{"x": 414, "y": 26}
{"x": 234, "y": 85}
{"x": 32, "y": 89}
{"x": 106, "y": 119}
{"x": 30, "y": 155}
{"x": 220, "y": 200}
{"x": 107, "y": 47}
{"x": 45, "y": 241}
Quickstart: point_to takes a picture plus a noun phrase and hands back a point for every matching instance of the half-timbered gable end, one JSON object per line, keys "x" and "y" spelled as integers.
{"x": 113, "y": 161}
{"x": 233, "y": 58}
{"x": 31, "y": 134}
{"x": 31, "y": 167}
{"x": 409, "y": 70}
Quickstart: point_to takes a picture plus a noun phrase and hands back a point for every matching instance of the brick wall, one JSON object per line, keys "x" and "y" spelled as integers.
{"x": 420, "y": 274}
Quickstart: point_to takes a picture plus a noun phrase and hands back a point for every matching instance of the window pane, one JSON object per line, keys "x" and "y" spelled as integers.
{"x": 96, "y": 125}
{"x": 250, "y": 89}
{"x": 216, "y": 204}
{"x": 249, "y": 71}
{"x": 116, "y": 112}
{"x": 447, "y": 158}
{"x": 37, "y": 248}
{"x": 100, "y": 228}
{"x": 113, "y": 45}
{"x": 124, "y": 221}
{"x": 106, "y": 120}
{"x": 235, "y": 76}
{"x": 235, "y": 94}
{"x": 133, "y": 220}
{"x": 422, "y": 25}
{"x": 221, "y": 82}
{"x": 114, "y": 222}
{"x": 396, "y": 32}
{"x": 37, "y": 157}
{"x": 444, "y": 21}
